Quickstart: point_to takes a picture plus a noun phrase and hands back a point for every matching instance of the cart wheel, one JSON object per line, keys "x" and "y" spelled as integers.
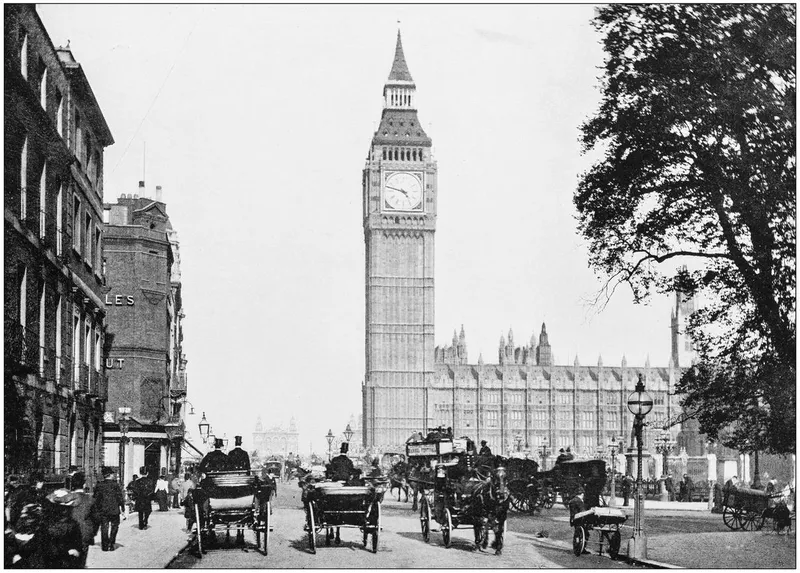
{"x": 425, "y": 519}
{"x": 377, "y": 526}
{"x": 312, "y": 542}
{"x": 447, "y": 526}
{"x": 198, "y": 531}
{"x": 578, "y": 540}
{"x": 730, "y": 517}
{"x": 748, "y": 520}
{"x": 614, "y": 542}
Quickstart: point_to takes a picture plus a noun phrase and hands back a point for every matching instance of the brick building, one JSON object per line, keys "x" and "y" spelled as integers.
{"x": 54, "y": 315}
{"x": 146, "y": 365}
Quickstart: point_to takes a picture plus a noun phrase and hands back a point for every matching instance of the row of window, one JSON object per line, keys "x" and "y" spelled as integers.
{"x": 86, "y": 233}
{"x": 539, "y": 419}
{"x": 561, "y": 398}
{"x": 86, "y": 334}
{"x": 401, "y": 154}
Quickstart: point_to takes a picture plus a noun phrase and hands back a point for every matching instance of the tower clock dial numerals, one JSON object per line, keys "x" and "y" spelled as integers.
{"x": 403, "y": 192}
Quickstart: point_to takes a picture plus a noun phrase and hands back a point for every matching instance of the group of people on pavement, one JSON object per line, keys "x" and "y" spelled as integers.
{"x": 55, "y": 530}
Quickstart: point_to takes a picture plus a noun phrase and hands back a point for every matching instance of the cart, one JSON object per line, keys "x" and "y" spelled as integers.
{"x": 275, "y": 467}
{"x": 566, "y": 478}
{"x": 449, "y": 508}
{"x": 606, "y": 521}
{"x": 747, "y": 509}
{"x": 422, "y": 456}
{"x": 524, "y": 490}
{"x": 234, "y": 500}
{"x": 333, "y": 505}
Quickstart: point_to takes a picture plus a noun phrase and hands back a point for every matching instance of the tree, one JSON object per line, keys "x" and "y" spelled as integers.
{"x": 696, "y": 129}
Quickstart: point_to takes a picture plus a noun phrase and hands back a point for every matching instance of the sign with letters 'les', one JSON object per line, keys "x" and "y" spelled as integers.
{"x": 120, "y": 300}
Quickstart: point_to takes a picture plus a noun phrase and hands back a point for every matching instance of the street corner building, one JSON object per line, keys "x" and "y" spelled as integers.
{"x": 55, "y": 385}
{"x": 146, "y": 364}
{"x": 523, "y": 399}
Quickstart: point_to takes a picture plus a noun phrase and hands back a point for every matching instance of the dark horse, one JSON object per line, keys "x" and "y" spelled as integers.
{"x": 398, "y": 479}
{"x": 488, "y": 507}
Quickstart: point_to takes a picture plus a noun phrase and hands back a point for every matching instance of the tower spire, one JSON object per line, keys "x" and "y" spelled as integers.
{"x": 399, "y": 71}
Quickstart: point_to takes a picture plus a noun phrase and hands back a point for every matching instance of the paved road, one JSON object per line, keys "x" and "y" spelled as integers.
{"x": 400, "y": 545}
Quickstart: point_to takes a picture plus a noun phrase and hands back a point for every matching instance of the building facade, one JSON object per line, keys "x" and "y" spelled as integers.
{"x": 54, "y": 317}
{"x": 399, "y": 217}
{"x": 146, "y": 363}
{"x": 276, "y": 440}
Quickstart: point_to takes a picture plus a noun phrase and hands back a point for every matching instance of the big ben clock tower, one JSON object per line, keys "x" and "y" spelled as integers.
{"x": 399, "y": 197}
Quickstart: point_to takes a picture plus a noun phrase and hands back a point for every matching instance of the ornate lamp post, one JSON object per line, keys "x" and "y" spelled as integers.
{"x": 664, "y": 446}
{"x": 348, "y": 433}
{"x": 544, "y": 452}
{"x": 124, "y": 426}
{"x": 518, "y": 439}
{"x": 329, "y": 436}
{"x": 205, "y": 428}
{"x": 639, "y": 404}
{"x": 612, "y": 450}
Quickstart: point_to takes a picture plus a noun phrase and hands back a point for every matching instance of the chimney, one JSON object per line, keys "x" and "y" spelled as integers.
{"x": 158, "y": 193}
{"x": 142, "y": 191}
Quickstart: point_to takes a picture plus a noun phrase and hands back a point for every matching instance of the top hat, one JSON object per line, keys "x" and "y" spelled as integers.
{"x": 483, "y": 442}
{"x": 345, "y": 447}
{"x": 237, "y": 440}
{"x": 218, "y": 443}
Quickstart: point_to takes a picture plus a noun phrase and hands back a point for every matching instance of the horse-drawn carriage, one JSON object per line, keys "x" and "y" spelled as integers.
{"x": 749, "y": 509}
{"x": 274, "y": 467}
{"x": 232, "y": 500}
{"x": 333, "y": 505}
{"x": 476, "y": 497}
{"x": 421, "y": 457}
{"x": 526, "y": 494}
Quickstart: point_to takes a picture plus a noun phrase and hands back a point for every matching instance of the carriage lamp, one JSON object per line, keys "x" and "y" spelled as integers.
{"x": 348, "y": 433}
{"x": 124, "y": 425}
{"x": 612, "y": 449}
{"x": 664, "y": 446}
{"x": 330, "y": 438}
{"x": 639, "y": 403}
{"x": 205, "y": 428}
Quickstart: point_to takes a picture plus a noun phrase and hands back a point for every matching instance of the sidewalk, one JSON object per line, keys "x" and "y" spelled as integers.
{"x": 665, "y": 505}
{"x": 151, "y": 548}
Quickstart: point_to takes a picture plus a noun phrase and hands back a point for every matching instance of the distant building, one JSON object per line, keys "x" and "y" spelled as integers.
{"x": 146, "y": 365}
{"x": 276, "y": 440}
{"x": 54, "y": 316}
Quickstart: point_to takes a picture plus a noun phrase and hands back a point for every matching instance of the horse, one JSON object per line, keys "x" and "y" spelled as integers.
{"x": 419, "y": 479}
{"x": 488, "y": 505}
{"x": 398, "y": 479}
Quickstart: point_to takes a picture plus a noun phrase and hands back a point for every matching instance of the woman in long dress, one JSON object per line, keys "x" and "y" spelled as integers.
{"x": 162, "y": 493}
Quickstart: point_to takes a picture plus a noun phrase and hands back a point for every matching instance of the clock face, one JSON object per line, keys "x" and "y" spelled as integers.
{"x": 403, "y": 192}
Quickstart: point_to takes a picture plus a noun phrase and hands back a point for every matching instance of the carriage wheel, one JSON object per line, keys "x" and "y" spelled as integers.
{"x": 731, "y": 518}
{"x": 614, "y": 542}
{"x": 198, "y": 531}
{"x": 447, "y": 527}
{"x": 377, "y": 526}
{"x": 312, "y": 542}
{"x": 578, "y": 540}
{"x": 748, "y": 520}
{"x": 425, "y": 519}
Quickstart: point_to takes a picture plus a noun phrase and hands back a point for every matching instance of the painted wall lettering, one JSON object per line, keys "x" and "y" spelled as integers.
{"x": 120, "y": 300}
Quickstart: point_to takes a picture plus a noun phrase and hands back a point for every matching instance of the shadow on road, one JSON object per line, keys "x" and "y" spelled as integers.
{"x": 457, "y": 543}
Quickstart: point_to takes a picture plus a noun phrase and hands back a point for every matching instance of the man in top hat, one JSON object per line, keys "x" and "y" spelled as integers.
{"x": 110, "y": 505}
{"x": 485, "y": 449}
{"x": 341, "y": 467}
{"x": 216, "y": 460}
{"x": 238, "y": 459}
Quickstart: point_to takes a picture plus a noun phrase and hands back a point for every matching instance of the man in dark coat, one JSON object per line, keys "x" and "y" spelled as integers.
{"x": 85, "y": 513}
{"x": 627, "y": 482}
{"x": 485, "y": 449}
{"x": 577, "y": 505}
{"x": 238, "y": 459}
{"x": 669, "y": 485}
{"x": 110, "y": 503}
{"x": 341, "y": 467}
{"x": 144, "y": 488}
{"x": 216, "y": 460}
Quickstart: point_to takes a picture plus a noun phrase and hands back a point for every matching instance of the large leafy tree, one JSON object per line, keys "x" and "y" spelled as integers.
{"x": 696, "y": 131}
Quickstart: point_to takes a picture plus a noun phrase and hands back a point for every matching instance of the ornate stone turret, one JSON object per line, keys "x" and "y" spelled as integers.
{"x": 544, "y": 355}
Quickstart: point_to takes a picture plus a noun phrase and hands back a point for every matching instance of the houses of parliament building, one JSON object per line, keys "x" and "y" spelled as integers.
{"x": 522, "y": 399}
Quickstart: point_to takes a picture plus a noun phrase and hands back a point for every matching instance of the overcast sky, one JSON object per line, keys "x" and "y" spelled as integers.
{"x": 257, "y": 120}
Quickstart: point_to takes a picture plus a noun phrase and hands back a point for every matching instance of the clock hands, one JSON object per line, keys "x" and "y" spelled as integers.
{"x": 396, "y": 189}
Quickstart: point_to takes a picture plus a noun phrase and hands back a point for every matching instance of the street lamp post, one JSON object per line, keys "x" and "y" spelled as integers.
{"x": 205, "y": 428}
{"x": 518, "y": 439}
{"x": 543, "y": 452}
{"x": 664, "y": 445}
{"x": 348, "y": 433}
{"x": 639, "y": 404}
{"x": 124, "y": 426}
{"x": 612, "y": 448}
{"x": 329, "y": 436}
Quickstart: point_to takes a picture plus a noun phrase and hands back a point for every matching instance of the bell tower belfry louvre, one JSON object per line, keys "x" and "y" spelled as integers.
{"x": 399, "y": 198}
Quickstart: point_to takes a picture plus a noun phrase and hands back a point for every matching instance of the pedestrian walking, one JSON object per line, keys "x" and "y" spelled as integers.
{"x": 60, "y": 539}
{"x": 626, "y": 489}
{"x": 84, "y": 512}
{"x": 174, "y": 491}
{"x": 162, "y": 493}
{"x": 186, "y": 485}
{"x": 110, "y": 504}
{"x": 668, "y": 485}
{"x": 144, "y": 488}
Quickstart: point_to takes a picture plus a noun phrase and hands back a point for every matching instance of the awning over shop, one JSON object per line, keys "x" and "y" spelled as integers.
{"x": 190, "y": 449}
